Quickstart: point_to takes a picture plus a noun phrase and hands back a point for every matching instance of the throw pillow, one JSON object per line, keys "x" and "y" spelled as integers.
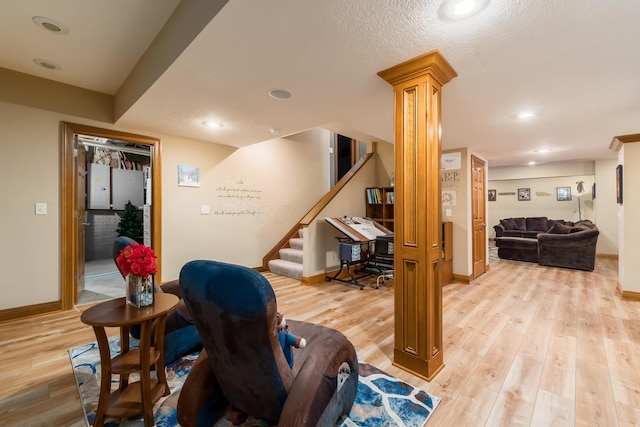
{"x": 558, "y": 228}
{"x": 509, "y": 224}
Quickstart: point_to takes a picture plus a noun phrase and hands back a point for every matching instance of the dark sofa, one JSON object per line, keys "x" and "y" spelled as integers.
{"x": 564, "y": 244}
{"x": 525, "y": 227}
{"x": 572, "y": 248}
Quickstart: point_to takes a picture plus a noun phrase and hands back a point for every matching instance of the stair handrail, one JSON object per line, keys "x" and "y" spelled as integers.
{"x": 315, "y": 210}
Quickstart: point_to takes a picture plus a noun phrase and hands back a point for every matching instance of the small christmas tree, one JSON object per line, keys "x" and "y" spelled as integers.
{"x": 130, "y": 225}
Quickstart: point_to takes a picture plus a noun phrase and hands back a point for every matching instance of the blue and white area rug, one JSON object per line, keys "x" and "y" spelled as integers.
{"x": 382, "y": 400}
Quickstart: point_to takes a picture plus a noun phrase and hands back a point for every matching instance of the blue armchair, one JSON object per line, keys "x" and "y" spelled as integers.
{"x": 242, "y": 364}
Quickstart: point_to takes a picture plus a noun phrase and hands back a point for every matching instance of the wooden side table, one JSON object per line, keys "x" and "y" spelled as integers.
{"x": 137, "y": 397}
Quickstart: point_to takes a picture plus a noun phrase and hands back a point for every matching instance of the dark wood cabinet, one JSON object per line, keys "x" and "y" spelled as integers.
{"x": 446, "y": 264}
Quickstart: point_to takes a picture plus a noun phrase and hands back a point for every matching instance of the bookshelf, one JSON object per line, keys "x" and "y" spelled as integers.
{"x": 380, "y": 205}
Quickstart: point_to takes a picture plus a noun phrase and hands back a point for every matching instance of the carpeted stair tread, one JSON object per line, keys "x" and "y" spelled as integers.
{"x": 296, "y": 243}
{"x": 290, "y": 254}
{"x": 286, "y": 268}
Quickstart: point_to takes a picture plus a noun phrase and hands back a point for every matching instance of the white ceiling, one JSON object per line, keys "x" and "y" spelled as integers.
{"x": 574, "y": 62}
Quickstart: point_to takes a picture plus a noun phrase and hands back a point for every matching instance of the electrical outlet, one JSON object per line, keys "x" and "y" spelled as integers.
{"x": 204, "y": 210}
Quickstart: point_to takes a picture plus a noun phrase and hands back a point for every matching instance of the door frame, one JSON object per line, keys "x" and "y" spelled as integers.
{"x": 69, "y": 222}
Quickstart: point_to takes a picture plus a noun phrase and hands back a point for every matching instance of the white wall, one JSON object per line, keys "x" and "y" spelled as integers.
{"x": 289, "y": 175}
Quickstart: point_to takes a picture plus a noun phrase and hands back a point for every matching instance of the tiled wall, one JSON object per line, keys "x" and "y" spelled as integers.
{"x": 100, "y": 234}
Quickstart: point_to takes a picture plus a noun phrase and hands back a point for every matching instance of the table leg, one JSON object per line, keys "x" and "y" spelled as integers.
{"x": 159, "y": 343}
{"x": 105, "y": 375}
{"x": 124, "y": 348}
{"x": 145, "y": 373}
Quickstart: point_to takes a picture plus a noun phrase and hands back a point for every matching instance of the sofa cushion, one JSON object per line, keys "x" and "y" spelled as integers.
{"x": 509, "y": 224}
{"x": 558, "y": 228}
{"x": 537, "y": 223}
{"x": 586, "y": 223}
{"x": 578, "y": 227}
{"x": 521, "y": 223}
{"x": 550, "y": 222}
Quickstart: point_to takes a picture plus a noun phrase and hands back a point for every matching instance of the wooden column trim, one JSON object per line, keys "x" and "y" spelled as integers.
{"x": 417, "y": 86}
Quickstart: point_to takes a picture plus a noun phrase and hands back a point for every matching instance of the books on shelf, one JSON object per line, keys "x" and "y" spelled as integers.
{"x": 376, "y": 196}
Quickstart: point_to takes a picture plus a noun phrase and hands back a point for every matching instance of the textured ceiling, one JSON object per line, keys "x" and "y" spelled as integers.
{"x": 575, "y": 63}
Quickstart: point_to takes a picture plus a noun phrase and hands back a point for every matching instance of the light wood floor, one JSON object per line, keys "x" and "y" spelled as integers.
{"x": 525, "y": 345}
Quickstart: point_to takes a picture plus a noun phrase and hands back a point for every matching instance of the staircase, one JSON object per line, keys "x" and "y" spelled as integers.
{"x": 285, "y": 258}
{"x": 290, "y": 262}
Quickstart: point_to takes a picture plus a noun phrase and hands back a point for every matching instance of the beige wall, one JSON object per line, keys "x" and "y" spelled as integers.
{"x": 29, "y": 173}
{"x": 629, "y": 267}
{"x": 255, "y": 195}
{"x": 543, "y": 181}
{"x": 386, "y": 163}
{"x": 606, "y": 208}
{"x": 320, "y": 236}
{"x": 459, "y": 181}
{"x": 287, "y": 173}
{"x": 543, "y": 199}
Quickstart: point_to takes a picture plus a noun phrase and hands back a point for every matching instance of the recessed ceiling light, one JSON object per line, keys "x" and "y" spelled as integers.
{"x": 49, "y": 65}
{"x": 50, "y": 25}
{"x": 453, "y": 10}
{"x": 280, "y": 94}
{"x": 526, "y": 115}
{"x": 274, "y": 131}
{"x": 211, "y": 124}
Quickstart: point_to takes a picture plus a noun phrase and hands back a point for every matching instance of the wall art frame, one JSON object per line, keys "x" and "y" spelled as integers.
{"x": 619, "y": 184}
{"x": 188, "y": 176}
{"x": 563, "y": 194}
{"x": 524, "y": 194}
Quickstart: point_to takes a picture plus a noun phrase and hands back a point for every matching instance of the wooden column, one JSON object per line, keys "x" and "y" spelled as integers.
{"x": 417, "y": 86}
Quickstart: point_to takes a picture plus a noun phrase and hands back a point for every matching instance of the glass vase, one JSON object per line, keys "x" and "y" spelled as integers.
{"x": 139, "y": 290}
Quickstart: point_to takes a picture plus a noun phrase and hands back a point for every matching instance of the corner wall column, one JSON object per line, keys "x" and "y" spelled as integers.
{"x": 417, "y": 86}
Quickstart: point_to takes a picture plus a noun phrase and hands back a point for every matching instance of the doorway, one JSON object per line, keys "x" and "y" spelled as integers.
{"x": 345, "y": 153}
{"x": 76, "y": 220}
{"x": 479, "y": 215}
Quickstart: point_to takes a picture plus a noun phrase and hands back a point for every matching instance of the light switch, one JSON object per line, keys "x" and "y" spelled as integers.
{"x": 448, "y": 212}
{"x": 41, "y": 208}
{"x": 204, "y": 210}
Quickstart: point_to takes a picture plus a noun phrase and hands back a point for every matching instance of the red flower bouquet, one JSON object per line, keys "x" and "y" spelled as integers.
{"x": 137, "y": 260}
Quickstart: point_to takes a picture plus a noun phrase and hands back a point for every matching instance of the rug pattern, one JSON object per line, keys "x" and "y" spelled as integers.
{"x": 381, "y": 400}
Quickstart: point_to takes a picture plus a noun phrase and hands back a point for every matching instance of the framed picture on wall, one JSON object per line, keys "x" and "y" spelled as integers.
{"x": 563, "y": 193}
{"x": 524, "y": 194}
{"x": 492, "y": 195}
{"x": 619, "y": 184}
{"x": 188, "y": 176}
